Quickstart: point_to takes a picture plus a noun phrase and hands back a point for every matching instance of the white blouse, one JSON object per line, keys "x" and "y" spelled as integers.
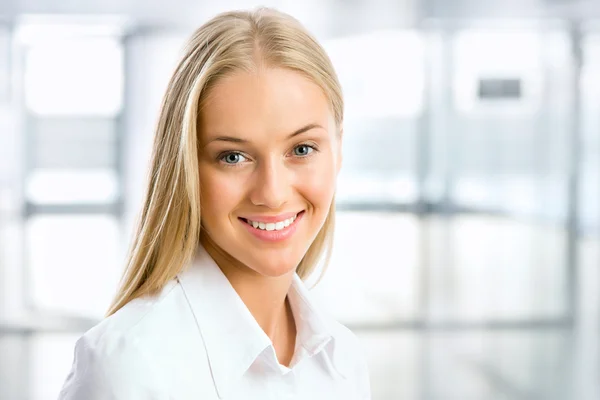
{"x": 197, "y": 340}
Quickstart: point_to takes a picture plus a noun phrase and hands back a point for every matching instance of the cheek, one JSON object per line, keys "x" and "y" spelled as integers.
{"x": 219, "y": 196}
{"x": 318, "y": 185}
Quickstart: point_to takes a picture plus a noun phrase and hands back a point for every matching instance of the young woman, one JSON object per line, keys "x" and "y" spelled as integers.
{"x": 239, "y": 210}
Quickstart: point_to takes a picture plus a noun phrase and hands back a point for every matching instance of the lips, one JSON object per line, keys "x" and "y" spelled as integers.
{"x": 273, "y": 228}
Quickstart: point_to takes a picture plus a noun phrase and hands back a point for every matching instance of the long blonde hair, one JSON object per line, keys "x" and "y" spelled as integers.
{"x": 169, "y": 225}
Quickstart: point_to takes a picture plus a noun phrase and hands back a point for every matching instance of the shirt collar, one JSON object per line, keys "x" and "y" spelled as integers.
{"x": 313, "y": 332}
{"x": 232, "y": 337}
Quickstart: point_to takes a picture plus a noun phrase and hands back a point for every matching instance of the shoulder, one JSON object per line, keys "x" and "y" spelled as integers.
{"x": 124, "y": 356}
{"x": 350, "y": 358}
{"x": 343, "y": 333}
{"x": 349, "y": 348}
{"x": 111, "y": 366}
{"x": 130, "y": 319}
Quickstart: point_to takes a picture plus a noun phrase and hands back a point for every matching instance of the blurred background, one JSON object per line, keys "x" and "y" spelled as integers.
{"x": 468, "y": 240}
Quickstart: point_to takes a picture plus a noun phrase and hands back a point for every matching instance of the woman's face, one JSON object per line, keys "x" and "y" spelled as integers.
{"x": 269, "y": 157}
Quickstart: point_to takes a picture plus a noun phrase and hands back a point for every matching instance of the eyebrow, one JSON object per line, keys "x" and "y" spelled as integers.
{"x": 240, "y": 140}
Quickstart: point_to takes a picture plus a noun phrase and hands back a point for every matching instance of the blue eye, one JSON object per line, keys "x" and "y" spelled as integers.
{"x": 303, "y": 150}
{"x": 232, "y": 158}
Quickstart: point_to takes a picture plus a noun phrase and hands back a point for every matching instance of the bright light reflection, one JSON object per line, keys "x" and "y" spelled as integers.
{"x": 82, "y": 76}
{"x": 382, "y": 73}
{"x": 58, "y": 186}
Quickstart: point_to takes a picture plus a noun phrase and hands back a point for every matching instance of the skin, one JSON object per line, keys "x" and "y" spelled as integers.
{"x": 250, "y": 164}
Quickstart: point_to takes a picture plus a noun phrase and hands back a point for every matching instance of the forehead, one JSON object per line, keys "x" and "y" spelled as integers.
{"x": 269, "y": 100}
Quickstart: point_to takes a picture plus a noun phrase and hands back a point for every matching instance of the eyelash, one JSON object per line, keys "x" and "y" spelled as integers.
{"x": 227, "y": 153}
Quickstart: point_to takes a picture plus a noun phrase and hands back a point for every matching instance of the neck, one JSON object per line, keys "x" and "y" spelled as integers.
{"x": 265, "y": 297}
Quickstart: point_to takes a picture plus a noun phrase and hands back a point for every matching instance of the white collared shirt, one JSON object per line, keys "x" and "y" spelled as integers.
{"x": 197, "y": 340}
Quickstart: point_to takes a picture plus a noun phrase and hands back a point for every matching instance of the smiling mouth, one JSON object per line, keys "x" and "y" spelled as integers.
{"x": 272, "y": 226}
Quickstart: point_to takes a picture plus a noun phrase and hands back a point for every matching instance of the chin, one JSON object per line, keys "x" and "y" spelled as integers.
{"x": 276, "y": 267}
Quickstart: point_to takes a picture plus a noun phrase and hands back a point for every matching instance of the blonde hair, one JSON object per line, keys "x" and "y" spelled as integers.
{"x": 168, "y": 229}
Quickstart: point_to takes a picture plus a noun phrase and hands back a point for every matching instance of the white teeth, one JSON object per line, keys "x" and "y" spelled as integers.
{"x": 272, "y": 226}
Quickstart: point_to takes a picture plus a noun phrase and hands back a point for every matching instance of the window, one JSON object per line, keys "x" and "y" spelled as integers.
{"x": 76, "y": 76}
{"x": 503, "y": 65}
{"x": 374, "y": 272}
{"x": 73, "y": 257}
{"x": 382, "y": 73}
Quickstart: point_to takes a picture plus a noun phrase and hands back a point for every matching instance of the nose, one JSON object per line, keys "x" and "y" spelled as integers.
{"x": 271, "y": 185}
